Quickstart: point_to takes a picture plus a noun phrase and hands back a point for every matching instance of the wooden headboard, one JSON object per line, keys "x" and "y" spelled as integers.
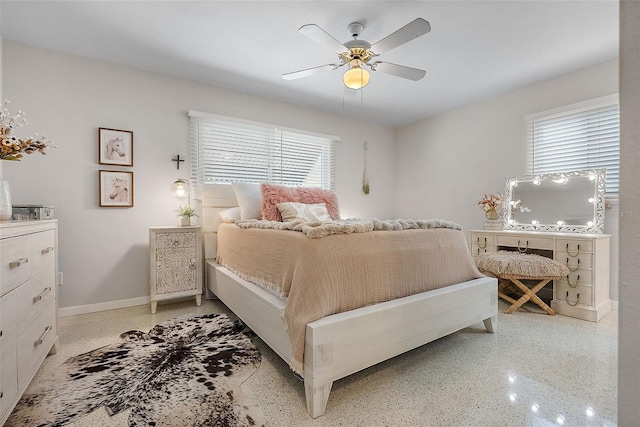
{"x": 215, "y": 198}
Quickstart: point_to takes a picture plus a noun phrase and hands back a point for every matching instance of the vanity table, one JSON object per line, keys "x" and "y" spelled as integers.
{"x": 563, "y": 220}
{"x": 584, "y": 293}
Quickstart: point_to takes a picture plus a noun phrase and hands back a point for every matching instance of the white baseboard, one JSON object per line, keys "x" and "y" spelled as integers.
{"x": 614, "y": 305}
{"x": 102, "y": 306}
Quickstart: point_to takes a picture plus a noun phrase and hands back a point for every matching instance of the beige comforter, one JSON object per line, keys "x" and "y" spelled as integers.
{"x": 341, "y": 272}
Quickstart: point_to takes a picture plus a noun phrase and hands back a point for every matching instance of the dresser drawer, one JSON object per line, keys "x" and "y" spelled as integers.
{"x": 8, "y": 380}
{"x": 33, "y": 297}
{"x": 43, "y": 250}
{"x": 574, "y": 247}
{"x": 580, "y": 295}
{"x": 16, "y": 263}
{"x": 35, "y": 343}
{"x": 175, "y": 240}
{"x": 9, "y": 311}
{"x": 525, "y": 242}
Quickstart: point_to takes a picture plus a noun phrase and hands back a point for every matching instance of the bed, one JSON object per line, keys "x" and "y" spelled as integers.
{"x": 337, "y": 345}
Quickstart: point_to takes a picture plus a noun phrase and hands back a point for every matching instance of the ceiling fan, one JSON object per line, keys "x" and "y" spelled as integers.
{"x": 358, "y": 53}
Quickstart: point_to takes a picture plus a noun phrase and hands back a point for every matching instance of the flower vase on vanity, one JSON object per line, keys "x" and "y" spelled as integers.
{"x": 563, "y": 220}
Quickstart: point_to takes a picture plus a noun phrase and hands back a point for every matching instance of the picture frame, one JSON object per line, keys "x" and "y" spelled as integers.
{"x": 115, "y": 147}
{"x": 116, "y": 188}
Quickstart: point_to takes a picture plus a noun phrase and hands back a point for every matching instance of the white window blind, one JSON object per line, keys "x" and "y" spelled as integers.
{"x": 580, "y": 137}
{"x": 224, "y": 150}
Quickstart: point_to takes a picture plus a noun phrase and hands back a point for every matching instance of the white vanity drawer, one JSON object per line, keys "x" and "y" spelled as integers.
{"x": 580, "y": 295}
{"x": 35, "y": 343}
{"x": 477, "y": 250}
{"x": 525, "y": 242}
{"x": 574, "y": 247}
{"x": 578, "y": 277}
{"x": 16, "y": 264}
{"x": 8, "y": 380}
{"x": 581, "y": 262}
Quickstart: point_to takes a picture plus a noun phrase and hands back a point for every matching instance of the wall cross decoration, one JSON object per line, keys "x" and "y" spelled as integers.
{"x": 177, "y": 159}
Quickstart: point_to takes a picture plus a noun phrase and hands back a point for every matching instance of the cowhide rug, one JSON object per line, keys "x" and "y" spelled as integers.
{"x": 183, "y": 372}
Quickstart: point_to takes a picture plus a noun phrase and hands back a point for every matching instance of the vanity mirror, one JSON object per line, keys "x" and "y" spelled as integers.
{"x": 571, "y": 202}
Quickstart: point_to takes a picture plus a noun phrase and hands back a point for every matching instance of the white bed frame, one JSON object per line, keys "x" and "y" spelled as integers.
{"x": 339, "y": 345}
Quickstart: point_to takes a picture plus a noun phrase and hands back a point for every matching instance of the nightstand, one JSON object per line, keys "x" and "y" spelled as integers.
{"x": 175, "y": 264}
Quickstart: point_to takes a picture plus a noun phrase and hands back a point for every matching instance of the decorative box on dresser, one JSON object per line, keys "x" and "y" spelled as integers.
{"x": 583, "y": 294}
{"x": 176, "y": 263}
{"x": 28, "y": 304}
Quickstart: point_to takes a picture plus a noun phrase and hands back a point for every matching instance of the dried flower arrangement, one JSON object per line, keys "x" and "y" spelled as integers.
{"x": 12, "y": 147}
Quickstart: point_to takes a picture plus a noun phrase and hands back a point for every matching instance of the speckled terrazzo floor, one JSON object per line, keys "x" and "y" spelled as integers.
{"x": 537, "y": 370}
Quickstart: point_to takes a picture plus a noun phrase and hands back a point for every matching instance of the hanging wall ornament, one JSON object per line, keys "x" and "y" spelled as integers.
{"x": 365, "y": 178}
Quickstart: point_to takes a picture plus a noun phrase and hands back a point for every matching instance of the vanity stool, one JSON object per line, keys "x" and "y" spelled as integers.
{"x": 512, "y": 267}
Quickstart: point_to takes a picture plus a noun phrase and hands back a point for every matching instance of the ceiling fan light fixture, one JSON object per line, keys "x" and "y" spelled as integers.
{"x": 356, "y": 77}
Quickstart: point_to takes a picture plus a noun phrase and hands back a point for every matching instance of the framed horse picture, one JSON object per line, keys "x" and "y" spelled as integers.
{"x": 116, "y": 189}
{"x": 115, "y": 147}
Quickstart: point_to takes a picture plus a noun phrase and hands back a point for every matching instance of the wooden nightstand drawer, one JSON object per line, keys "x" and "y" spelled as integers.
{"x": 175, "y": 240}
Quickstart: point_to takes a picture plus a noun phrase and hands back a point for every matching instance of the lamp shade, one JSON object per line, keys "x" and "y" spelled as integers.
{"x": 180, "y": 188}
{"x": 356, "y": 78}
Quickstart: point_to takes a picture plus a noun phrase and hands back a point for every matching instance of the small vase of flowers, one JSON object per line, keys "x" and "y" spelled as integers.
{"x": 186, "y": 213}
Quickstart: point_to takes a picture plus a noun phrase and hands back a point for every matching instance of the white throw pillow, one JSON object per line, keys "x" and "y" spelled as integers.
{"x": 294, "y": 210}
{"x": 230, "y": 215}
{"x": 249, "y": 199}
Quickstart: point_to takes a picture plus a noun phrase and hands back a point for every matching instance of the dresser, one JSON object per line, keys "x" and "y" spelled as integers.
{"x": 28, "y": 304}
{"x": 175, "y": 264}
{"x": 584, "y": 293}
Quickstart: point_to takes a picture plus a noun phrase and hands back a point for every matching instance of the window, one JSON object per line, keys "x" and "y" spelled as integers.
{"x": 224, "y": 150}
{"x": 580, "y": 136}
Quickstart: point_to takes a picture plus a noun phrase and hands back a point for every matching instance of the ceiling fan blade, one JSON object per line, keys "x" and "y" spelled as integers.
{"x": 405, "y": 34}
{"x": 319, "y": 35}
{"x": 308, "y": 72}
{"x": 398, "y": 70}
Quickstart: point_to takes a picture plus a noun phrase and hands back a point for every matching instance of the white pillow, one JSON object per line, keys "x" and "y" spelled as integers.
{"x": 295, "y": 210}
{"x": 230, "y": 215}
{"x": 249, "y": 199}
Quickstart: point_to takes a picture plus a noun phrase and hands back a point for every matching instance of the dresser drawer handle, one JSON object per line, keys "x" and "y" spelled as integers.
{"x": 176, "y": 243}
{"x": 485, "y": 243}
{"x": 0, "y": 332}
{"x": 575, "y": 254}
{"x": 523, "y": 249}
{"x": 47, "y": 250}
{"x": 573, "y": 285}
{"x": 39, "y": 296}
{"x": 1, "y": 394}
{"x": 16, "y": 264}
{"x": 575, "y": 303}
{"x": 41, "y": 339}
{"x": 571, "y": 268}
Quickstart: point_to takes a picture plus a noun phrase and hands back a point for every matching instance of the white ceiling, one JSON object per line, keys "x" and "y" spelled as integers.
{"x": 476, "y": 49}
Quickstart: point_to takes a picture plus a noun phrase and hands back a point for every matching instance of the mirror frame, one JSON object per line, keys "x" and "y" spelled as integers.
{"x": 598, "y": 205}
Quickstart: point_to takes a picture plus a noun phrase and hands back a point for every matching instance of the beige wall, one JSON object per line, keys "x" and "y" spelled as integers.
{"x": 104, "y": 251}
{"x": 629, "y": 331}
